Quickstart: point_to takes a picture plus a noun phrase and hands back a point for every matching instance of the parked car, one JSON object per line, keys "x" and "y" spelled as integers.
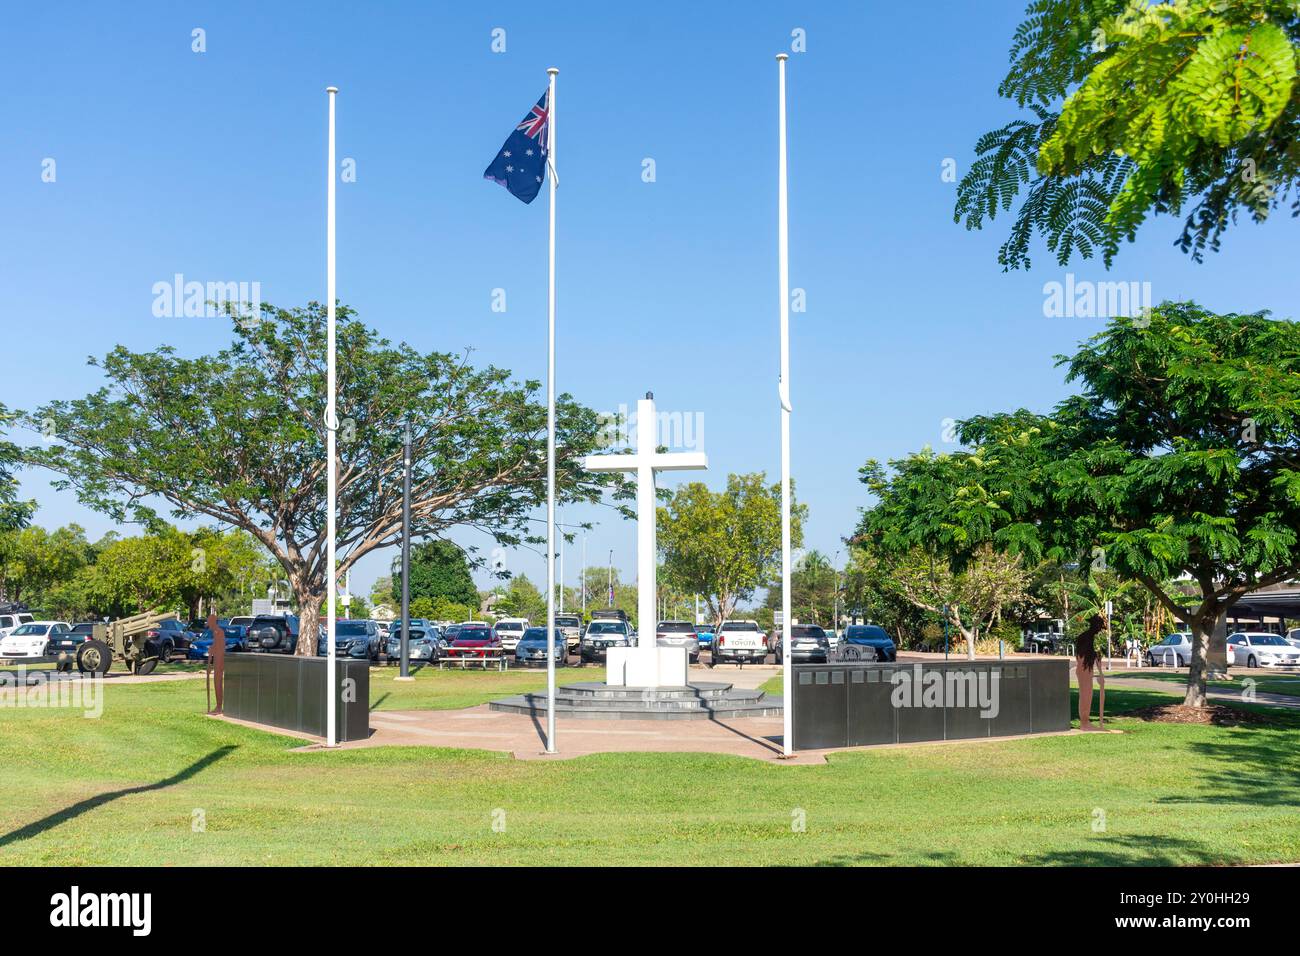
{"x": 1256, "y": 649}
{"x": 33, "y": 638}
{"x": 1293, "y": 637}
{"x": 65, "y": 645}
{"x": 10, "y": 619}
{"x": 236, "y": 640}
{"x": 448, "y": 635}
{"x": 273, "y": 633}
{"x": 475, "y": 639}
{"x": 808, "y": 643}
{"x": 678, "y": 634}
{"x": 1043, "y": 642}
{"x": 358, "y": 639}
{"x": 531, "y": 648}
{"x": 509, "y": 630}
{"x": 570, "y": 626}
{"x": 424, "y": 642}
{"x": 170, "y": 636}
{"x": 739, "y": 642}
{"x": 704, "y": 634}
{"x": 858, "y": 638}
{"x": 1174, "y": 651}
{"x": 600, "y": 636}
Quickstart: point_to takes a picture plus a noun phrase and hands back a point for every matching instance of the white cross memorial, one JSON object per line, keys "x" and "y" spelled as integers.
{"x": 647, "y": 664}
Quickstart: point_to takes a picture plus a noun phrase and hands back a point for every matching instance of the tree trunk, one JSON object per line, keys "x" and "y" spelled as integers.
{"x": 309, "y": 602}
{"x": 1204, "y": 624}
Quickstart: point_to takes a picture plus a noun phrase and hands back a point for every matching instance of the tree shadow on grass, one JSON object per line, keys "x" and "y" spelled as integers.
{"x": 1135, "y": 850}
{"x": 37, "y": 827}
{"x": 867, "y": 858}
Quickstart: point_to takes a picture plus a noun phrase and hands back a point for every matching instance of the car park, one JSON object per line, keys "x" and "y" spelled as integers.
{"x": 600, "y": 636}
{"x": 858, "y": 639}
{"x": 739, "y": 642}
{"x": 357, "y": 639}
{"x": 531, "y": 648}
{"x": 1174, "y": 651}
{"x": 808, "y": 644}
{"x": 678, "y": 634}
{"x": 1259, "y": 649}
{"x": 32, "y": 639}
{"x": 273, "y": 633}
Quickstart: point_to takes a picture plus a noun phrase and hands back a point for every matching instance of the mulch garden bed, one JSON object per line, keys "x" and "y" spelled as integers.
{"x": 1219, "y": 715}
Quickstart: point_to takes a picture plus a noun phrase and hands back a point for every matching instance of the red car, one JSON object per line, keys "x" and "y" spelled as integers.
{"x": 475, "y": 639}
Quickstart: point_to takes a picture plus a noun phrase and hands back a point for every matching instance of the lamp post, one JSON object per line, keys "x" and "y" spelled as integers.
{"x": 405, "y": 672}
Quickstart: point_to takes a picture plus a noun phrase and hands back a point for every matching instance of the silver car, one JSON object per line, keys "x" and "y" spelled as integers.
{"x": 1254, "y": 649}
{"x": 1174, "y": 651}
{"x": 679, "y": 634}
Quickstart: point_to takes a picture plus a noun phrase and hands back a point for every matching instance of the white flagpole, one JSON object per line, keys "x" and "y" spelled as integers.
{"x": 331, "y": 423}
{"x": 783, "y": 267}
{"x": 550, "y": 429}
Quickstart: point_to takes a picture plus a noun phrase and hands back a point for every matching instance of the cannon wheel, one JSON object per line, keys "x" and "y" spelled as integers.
{"x": 143, "y": 667}
{"x": 94, "y": 657}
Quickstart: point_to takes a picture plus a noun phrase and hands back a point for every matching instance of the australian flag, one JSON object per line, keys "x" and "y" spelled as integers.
{"x": 521, "y": 164}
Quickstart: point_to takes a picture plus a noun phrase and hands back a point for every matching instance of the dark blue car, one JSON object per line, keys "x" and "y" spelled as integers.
{"x": 858, "y": 638}
{"x": 236, "y": 640}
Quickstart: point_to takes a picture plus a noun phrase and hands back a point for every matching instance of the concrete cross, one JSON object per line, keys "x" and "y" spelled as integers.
{"x": 647, "y": 667}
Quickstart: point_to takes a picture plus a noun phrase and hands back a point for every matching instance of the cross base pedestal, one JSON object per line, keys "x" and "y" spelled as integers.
{"x": 645, "y": 667}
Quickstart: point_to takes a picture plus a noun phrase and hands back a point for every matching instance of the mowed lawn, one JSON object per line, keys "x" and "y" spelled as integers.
{"x": 153, "y": 781}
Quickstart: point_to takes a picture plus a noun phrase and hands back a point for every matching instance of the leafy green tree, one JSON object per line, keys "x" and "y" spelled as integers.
{"x": 239, "y": 437}
{"x": 14, "y": 514}
{"x": 1179, "y": 459}
{"x": 439, "y": 569}
{"x": 521, "y": 598}
{"x": 1185, "y": 107}
{"x": 724, "y": 545}
{"x": 33, "y": 561}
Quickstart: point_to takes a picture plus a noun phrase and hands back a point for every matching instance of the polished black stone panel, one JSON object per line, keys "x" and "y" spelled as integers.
{"x": 904, "y": 702}
{"x": 288, "y": 692}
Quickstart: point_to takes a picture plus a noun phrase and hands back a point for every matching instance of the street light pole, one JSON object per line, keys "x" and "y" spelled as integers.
{"x": 406, "y": 554}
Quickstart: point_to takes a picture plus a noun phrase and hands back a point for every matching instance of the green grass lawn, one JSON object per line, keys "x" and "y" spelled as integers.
{"x": 1288, "y": 684}
{"x": 128, "y": 787}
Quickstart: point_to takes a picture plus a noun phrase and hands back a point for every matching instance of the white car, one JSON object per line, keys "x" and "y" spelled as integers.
{"x": 1257, "y": 649}
{"x": 9, "y": 621}
{"x": 1293, "y": 637}
{"x": 1174, "y": 651}
{"x": 509, "y": 630}
{"x": 739, "y": 641}
{"x": 31, "y": 639}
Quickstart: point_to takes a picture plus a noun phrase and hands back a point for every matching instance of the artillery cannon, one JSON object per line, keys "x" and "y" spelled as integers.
{"x": 126, "y": 640}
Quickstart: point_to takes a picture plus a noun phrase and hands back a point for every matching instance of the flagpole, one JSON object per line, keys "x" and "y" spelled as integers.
{"x": 783, "y": 266}
{"x": 550, "y": 428}
{"x": 331, "y": 424}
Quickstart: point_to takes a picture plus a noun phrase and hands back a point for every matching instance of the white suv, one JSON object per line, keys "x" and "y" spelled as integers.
{"x": 738, "y": 642}
{"x": 9, "y": 621}
{"x": 509, "y": 630}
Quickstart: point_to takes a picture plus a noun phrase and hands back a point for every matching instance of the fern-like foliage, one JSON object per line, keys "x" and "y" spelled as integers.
{"x": 1179, "y": 107}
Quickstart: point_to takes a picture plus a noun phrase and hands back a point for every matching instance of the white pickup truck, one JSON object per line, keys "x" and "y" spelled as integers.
{"x": 739, "y": 642}
{"x": 10, "y": 620}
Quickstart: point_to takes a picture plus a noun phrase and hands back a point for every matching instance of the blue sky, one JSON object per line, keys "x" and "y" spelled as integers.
{"x": 209, "y": 164}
